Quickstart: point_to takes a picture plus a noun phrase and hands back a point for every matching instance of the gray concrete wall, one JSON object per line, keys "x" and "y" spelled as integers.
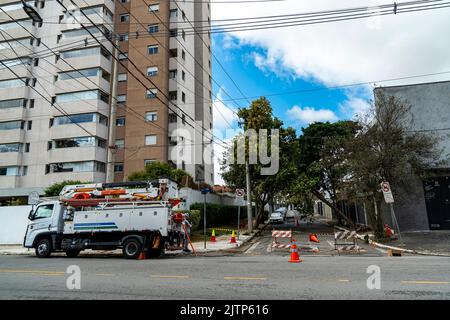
{"x": 430, "y": 111}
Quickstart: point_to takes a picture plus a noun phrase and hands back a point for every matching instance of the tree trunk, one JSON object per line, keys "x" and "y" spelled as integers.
{"x": 332, "y": 206}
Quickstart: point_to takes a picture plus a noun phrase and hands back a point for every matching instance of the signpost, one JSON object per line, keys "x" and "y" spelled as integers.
{"x": 389, "y": 199}
{"x": 240, "y": 196}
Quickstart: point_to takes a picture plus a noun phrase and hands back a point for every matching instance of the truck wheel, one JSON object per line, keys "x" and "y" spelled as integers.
{"x": 72, "y": 253}
{"x": 132, "y": 248}
{"x": 43, "y": 248}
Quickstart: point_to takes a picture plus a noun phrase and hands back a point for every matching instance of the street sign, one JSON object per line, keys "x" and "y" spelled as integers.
{"x": 240, "y": 193}
{"x": 387, "y": 192}
{"x": 33, "y": 198}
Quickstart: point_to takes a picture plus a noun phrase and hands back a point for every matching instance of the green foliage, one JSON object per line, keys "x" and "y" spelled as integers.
{"x": 54, "y": 189}
{"x": 156, "y": 170}
{"x": 219, "y": 215}
{"x": 194, "y": 216}
{"x": 15, "y": 202}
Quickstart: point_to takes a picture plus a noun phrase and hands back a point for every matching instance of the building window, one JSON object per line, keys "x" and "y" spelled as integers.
{"x": 118, "y": 167}
{"x": 124, "y": 1}
{"x": 172, "y": 74}
{"x": 9, "y": 171}
{"x": 92, "y": 72}
{"x": 151, "y": 116}
{"x": 82, "y": 95}
{"x": 124, "y": 18}
{"x": 183, "y": 55}
{"x": 24, "y": 170}
{"x": 172, "y": 118}
{"x": 183, "y": 97}
{"x": 122, "y": 98}
{"x": 119, "y": 144}
{"x": 123, "y": 56}
{"x": 153, "y": 49}
{"x": 78, "y": 142}
{"x": 123, "y": 37}
{"x": 153, "y": 28}
{"x": 120, "y": 122}
{"x": 152, "y": 71}
{"x": 148, "y": 161}
{"x": 173, "y": 96}
{"x": 122, "y": 77}
{"x": 29, "y": 125}
{"x": 31, "y": 105}
{"x": 173, "y": 33}
{"x": 83, "y": 166}
{"x": 79, "y": 118}
{"x": 183, "y": 34}
{"x": 150, "y": 140}
{"x": 153, "y": 7}
{"x": 173, "y": 13}
{"x": 183, "y": 75}
{"x": 10, "y": 147}
{"x": 12, "y": 125}
{"x": 151, "y": 94}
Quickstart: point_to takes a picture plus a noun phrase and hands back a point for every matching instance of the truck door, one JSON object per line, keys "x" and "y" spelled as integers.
{"x": 41, "y": 222}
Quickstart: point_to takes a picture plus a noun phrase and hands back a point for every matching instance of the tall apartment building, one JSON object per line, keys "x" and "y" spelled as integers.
{"x": 55, "y": 106}
{"x": 158, "y": 37}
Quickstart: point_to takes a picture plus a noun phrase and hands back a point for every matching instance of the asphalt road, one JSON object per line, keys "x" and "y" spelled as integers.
{"x": 253, "y": 272}
{"x": 240, "y": 276}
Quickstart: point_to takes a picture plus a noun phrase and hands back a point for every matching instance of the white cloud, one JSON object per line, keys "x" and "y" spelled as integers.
{"x": 309, "y": 115}
{"x": 224, "y": 115}
{"x": 351, "y": 51}
{"x": 354, "y": 107}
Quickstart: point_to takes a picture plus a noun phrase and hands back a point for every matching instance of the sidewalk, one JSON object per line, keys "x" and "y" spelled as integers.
{"x": 424, "y": 241}
{"x": 222, "y": 243}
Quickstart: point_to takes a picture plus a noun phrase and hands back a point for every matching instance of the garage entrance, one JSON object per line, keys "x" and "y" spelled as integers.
{"x": 437, "y": 199}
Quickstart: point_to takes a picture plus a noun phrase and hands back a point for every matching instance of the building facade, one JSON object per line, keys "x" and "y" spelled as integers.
{"x": 56, "y": 82}
{"x": 426, "y": 205}
{"x": 159, "y": 39}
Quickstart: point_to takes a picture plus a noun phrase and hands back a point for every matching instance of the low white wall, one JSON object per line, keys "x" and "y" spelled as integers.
{"x": 13, "y": 224}
{"x": 195, "y": 196}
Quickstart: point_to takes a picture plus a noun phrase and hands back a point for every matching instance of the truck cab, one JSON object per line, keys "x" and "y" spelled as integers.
{"x": 45, "y": 222}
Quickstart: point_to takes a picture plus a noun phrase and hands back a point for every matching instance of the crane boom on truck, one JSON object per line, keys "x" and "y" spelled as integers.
{"x": 136, "y": 217}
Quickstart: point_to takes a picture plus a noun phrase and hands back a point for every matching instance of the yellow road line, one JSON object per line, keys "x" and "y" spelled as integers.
{"x": 426, "y": 282}
{"x": 243, "y": 278}
{"x": 170, "y": 277}
{"x": 43, "y": 272}
{"x": 344, "y": 280}
{"x": 105, "y": 274}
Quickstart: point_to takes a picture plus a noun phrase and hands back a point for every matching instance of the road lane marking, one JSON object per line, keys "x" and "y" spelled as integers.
{"x": 42, "y": 272}
{"x": 425, "y": 282}
{"x": 169, "y": 277}
{"x": 105, "y": 274}
{"x": 344, "y": 280}
{"x": 252, "y": 248}
{"x": 244, "y": 278}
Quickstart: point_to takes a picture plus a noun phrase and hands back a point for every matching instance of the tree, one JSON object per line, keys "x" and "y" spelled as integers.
{"x": 156, "y": 170}
{"x": 322, "y": 163}
{"x": 264, "y": 188}
{"x": 386, "y": 150}
{"x": 54, "y": 189}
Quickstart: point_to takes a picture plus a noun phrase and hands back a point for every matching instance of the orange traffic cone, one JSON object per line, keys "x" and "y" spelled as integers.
{"x": 295, "y": 258}
{"x": 233, "y": 238}
{"x": 313, "y": 238}
{"x": 142, "y": 255}
{"x": 213, "y": 236}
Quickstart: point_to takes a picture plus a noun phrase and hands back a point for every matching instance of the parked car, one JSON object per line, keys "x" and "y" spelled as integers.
{"x": 292, "y": 214}
{"x": 282, "y": 211}
{"x": 276, "y": 217}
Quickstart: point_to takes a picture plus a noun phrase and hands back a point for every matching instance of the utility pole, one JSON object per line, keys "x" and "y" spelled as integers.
{"x": 249, "y": 197}
{"x": 112, "y": 119}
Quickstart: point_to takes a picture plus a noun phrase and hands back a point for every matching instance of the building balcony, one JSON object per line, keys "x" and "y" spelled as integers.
{"x": 83, "y": 106}
{"x": 21, "y": 72}
{"x": 14, "y": 93}
{"x": 7, "y": 114}
{"x": 70, "y": 24}
{"x": 173, "y": 63}
{"x": 91, "y": 3}
{"x": 95, "y": 177}
{"x": 81, "y": 84}
{"x": 19, "y": 51}
{"x": 17, "y": 14}
{"x": 9, "y": 182}
{"x": 72, "y": 130}
{"x": 173, "y": 85}
{"x": 8, "y": 159}
{"x": 10, "y": 136}
{"x": 86, "y": 62}
{"x": 173, "y": 43}
{"x": 77, "y": 154}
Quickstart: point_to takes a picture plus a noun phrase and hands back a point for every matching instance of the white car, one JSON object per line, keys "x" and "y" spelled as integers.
{"x": 292, "y": 214}
{"x": 276, "y": 217}
{"x": 282, "y": 211}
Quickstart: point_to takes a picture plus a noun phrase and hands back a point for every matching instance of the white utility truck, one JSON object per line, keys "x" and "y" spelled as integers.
{"x": 134, "y": 216}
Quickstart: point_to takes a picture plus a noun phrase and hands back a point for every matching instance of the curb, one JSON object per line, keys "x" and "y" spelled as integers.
{"x": 383, "y": 246}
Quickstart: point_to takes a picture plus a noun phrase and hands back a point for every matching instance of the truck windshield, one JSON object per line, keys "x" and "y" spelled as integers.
{"x": 44, "y": 211}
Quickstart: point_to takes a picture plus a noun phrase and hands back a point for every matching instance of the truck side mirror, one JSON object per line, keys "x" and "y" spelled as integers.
{"x": 31, "y": 215}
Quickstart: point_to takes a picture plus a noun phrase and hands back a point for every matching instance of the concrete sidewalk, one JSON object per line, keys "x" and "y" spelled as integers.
{"x": 424, "y": 241}
{"x": 222, "y": 243}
